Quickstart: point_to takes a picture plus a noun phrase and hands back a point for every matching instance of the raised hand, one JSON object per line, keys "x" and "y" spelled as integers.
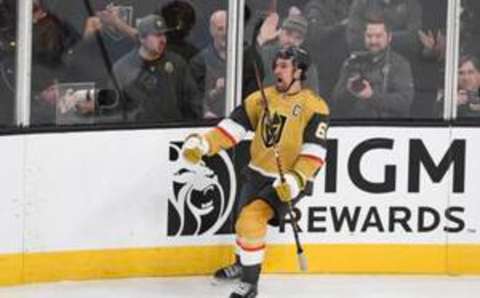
{"x": 269, "y": 30}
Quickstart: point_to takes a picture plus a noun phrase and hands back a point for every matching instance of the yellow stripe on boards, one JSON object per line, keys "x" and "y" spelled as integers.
{"x": 122, "y": 263}
{"x": 365, "y": 258}
{"x": 11, "y": 269}
{"x": 201, "y": 260}
{"x": 464, "y": 259}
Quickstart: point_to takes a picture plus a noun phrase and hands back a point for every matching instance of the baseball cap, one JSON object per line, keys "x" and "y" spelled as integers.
{"x": 151, "y": 24}
{"x": 297, "y": 23}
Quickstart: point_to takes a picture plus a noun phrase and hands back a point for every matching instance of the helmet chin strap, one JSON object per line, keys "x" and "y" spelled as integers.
{"x": 292, "y": 82}
{"x": 290, "y": 85}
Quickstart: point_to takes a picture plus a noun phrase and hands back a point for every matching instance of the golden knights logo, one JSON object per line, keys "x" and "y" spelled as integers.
{"x": 271, "y": 134}
{"x": 202, "y": 196}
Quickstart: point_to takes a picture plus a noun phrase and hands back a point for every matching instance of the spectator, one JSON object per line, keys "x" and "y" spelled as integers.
{"x": 8, "y": 16}
{"x": 209, "y": 67}
{"x": 7, "y": 87}
{"x": 51, "y": 39}
{"x": 252, "y": 61}
{"x": 84, "y": 61}
{"x": 259, "y": 10}
{"x": 327, "y": 22}
{"x": 270, "y": 40}
{"x": 106, "y": 38}
{"x": 325, "y": 16}
{"x": 250, "y": 53}
{"x": 404, "y": 17}
{"x": 156, "y": 84}
{"x": 470, "y": 28}
{"x": 468, "y": 98}
{"x": 77, "y": 12}
{"x": 429, "y": 62}
{"x": 377, "y": 83}
{"x": 181, "y": 16}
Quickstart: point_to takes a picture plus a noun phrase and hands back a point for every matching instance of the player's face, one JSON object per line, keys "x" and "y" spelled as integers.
{"x": 155, "y": 44}
{"x": 468, "y": 76}
{"x": 284, "y": 72}
{"x": 377, "y": 38}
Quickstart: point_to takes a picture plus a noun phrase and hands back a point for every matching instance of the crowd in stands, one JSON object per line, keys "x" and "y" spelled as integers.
{"x": 154, "y": 61}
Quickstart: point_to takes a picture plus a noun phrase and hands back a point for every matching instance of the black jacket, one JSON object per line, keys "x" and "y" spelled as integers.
{"x": 162, "y": 90}
{"x": 389, "y": 75}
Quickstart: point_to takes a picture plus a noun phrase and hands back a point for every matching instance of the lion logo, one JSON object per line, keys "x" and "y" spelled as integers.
{"x": 202, "y": 196}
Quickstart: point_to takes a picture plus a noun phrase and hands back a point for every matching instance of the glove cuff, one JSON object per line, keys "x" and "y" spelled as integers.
{"x": 292, "y": 182}
{"x": 197, "y": 140}
{"x": 299, "y": 178}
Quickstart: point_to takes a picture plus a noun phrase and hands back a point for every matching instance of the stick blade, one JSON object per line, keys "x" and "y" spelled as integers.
{"x": 302, "y": 262}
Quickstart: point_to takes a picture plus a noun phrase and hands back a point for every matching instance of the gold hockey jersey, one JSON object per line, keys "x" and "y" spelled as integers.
{"x": 299, "y": 128}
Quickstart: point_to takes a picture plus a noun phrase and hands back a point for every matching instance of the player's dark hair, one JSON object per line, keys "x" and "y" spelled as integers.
{"x": 300, "y": 58}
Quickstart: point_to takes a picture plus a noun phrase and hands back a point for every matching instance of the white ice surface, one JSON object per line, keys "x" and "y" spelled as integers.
{"x": 271, "y": 286}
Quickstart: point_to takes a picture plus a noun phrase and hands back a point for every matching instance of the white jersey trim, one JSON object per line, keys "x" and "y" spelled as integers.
{"x": 236, "y": 131}
{"x": 263, "y": 172}
{"x": 250, "y": 258}
{"x": 315, "y": 150}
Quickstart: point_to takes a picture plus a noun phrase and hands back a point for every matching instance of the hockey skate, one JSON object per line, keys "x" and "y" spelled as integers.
{"x": 227, "y": 274}
{"x": 244, "y": 290}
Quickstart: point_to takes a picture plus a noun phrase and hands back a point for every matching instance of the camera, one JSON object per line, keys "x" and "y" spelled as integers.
{"x": 102, "y": 98}
{"x": 358, "y": 65}
{"x": 473, "y": 96}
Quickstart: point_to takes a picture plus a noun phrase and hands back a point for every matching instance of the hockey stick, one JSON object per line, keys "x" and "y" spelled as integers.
{"x": 302, "y": 260}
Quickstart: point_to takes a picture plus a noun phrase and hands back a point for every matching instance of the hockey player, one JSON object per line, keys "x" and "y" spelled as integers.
{"x": 299, "y": 122}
